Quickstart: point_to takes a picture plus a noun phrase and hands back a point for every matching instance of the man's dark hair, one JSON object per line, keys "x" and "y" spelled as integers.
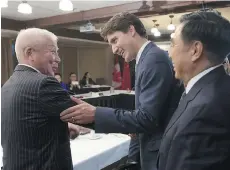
{"x": 70, "y": 74}
{"x": 122, "y": 22}
{"x": 57, "y": 74}
{"x": 211, "y": 29}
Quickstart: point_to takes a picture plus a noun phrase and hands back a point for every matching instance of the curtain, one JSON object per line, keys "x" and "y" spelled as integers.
{"x": 6, "y": 59}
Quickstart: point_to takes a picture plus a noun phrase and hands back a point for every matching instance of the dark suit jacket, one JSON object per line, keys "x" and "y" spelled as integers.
{"x": 74, "y": 89}
{"x": 198, "y": 135}
{"x": 83, "y": 81}
{"x": 155, "y": 99}
{"x": 33, "y": 136}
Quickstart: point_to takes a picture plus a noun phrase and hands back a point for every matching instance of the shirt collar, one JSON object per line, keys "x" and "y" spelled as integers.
{"x": 141, "y": 50}
{"x": 198, "y": 77}
{"x": 30, "y": 67}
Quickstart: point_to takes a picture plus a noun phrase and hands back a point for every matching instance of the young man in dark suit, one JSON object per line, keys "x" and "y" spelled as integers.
{"x": 33, "y": 136}
{"x": 198, "y": 134}
{"x": 156, "y": 91}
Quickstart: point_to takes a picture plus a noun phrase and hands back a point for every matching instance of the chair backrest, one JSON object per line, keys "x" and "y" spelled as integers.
{"x": 100, "y": 81}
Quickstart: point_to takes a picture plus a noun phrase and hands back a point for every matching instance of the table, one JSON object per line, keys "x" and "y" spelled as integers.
{"x": 119, "y": 99}
{"x": 98, "y": 154}
{"x": 94, "y": 88}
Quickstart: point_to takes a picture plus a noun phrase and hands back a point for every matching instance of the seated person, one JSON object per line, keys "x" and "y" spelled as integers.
{"x": 87, "y": 80}
{"x": 58, "y": 77}
{"x": 73, "y": 85}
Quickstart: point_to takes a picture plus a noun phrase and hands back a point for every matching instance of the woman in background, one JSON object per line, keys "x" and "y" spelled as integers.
{"x": 87, "y": 80}
{"x": 73, "y": 85}
{"x": 59, "y": 79}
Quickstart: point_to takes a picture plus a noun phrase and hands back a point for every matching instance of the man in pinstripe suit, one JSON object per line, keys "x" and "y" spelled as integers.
{"x": 33, "y": 136}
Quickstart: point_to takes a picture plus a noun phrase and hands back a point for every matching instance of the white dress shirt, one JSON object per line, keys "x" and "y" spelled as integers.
{"x": 140, "y": 52}
{"x": 30, "y": 67}
{"x": 198, "y": 77}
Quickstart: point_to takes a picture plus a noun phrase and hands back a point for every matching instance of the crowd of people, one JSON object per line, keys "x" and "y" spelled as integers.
{"x": 182, "y": 109}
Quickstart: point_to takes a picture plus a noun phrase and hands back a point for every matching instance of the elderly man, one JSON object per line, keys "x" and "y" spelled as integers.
{"x": 33, "y": 136}
{"x": 198, "y": 134}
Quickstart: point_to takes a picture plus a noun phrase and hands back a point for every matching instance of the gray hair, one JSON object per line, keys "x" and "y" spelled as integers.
{"x": 31, "y": 37}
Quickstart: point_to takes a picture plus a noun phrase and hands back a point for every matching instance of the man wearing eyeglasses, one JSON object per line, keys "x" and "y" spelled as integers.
{"x": 33, "y": 136}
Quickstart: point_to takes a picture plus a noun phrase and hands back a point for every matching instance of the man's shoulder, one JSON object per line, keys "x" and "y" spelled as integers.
{"x": 25, "y": 79}
{"x": 155, "y": 54}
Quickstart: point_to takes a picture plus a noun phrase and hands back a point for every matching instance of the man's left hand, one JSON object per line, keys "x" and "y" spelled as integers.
{"x": 74, "y": 130}
{"x": 83, "y": 113}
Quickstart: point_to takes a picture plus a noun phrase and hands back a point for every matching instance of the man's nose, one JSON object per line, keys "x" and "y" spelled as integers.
{"x": 114, "y": 49}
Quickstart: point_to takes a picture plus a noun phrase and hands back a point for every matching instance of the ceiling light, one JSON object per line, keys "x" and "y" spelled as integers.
{"x": 157, "y": 34}
{"x": 153, "y": 30}
{"x": 4, "y": 3}
{"x": 171, "y": 27}
{"x": 66, "y": 5}
{"x": 24, "y": 8}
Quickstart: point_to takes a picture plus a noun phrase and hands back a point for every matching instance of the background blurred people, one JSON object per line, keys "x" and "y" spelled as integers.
{"x": 73, "y": 85}
{"x": 87, "y": 80}
{"x": 59, "y": 79}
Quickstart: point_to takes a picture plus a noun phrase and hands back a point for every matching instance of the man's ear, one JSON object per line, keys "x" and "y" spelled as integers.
{"x": 132, "y": 30}
{"x": 28, "y": 52}
{"x": 196, "y": 50}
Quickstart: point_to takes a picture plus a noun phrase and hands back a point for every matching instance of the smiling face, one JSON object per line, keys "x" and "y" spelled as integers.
{"x": 42, "y": 57}
{"x": 180, "y": 54}
{"x": 123, "y": 44}
{"x": 186, "y": 56}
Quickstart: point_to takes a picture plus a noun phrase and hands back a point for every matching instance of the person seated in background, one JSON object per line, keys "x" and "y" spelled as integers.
{"x": 87, "y": 80}
{"x": 59, "y": 79}
{"x": 73, "y": 85}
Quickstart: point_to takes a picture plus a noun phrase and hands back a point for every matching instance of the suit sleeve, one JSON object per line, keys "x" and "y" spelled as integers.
{"x": 53, "y": 99}
{"x": 204, "y": 142}
{"x": 156, "y": 79}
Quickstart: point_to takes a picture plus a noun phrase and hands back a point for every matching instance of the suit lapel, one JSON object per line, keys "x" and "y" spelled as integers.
{"x": 146, "y": 49}
{"x": 182, "y": 106}
{"x": 211, "y": 76}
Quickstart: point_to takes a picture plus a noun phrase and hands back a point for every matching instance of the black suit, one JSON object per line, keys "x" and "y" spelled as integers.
{"x": 84, "y": 81}
{"x": 33, "y": 136}
{"x": 198, "y": 135}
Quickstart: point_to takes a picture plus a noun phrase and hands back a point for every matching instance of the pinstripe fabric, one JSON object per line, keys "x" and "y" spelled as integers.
{"x": 33, "y": 136}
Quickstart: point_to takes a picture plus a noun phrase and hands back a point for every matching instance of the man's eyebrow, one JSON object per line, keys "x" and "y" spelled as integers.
{"x": 113, "y": 39}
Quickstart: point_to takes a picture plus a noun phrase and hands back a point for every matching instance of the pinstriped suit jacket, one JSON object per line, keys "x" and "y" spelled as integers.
{"x": 33, "y": 136}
